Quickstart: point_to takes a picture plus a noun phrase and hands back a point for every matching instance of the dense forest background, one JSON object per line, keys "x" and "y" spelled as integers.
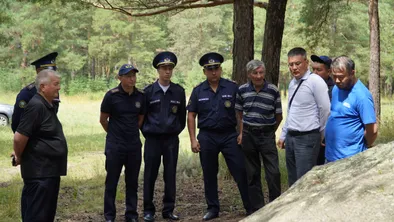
{"x": 93, "y": 43}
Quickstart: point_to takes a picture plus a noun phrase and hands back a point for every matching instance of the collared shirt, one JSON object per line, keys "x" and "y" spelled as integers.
{"x": 124, "y": 110}
{"x": 259, "y": 108}
{"x": 215, "y": 110}
{"x": 45, "y": 154}
{"x": 166, "y": 111}
{"x": 310, "y": 107}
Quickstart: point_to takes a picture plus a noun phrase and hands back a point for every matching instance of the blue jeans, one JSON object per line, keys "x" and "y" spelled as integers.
{"x": 302, "y": 150}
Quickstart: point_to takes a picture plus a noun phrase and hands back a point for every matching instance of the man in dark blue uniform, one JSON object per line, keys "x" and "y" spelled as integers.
{"x": 164, "y": 121}
{"x": 122, "y": 114}
{"x": 24, "y": 96}
{"x": 213, "y": 102}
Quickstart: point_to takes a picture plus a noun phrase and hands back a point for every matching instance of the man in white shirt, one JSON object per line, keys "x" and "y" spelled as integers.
{"x": 307, "y": 113}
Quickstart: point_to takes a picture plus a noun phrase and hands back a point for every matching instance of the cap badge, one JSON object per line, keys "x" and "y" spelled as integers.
{"x": 211, "y": 61}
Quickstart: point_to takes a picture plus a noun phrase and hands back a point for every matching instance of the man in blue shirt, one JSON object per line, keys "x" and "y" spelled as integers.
{"x": 259, "y": 109}
{"x": 24, "y": 96}
{"x": 213, "y": 102}
{"x": 307, "y": 113}
{"x": 164, "y": 121}
{"x": 351, "y": 127}
{"x": 122, "y": 114}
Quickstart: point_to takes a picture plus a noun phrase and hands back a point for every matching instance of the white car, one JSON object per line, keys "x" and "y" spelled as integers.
{"x": 5, "y": 114}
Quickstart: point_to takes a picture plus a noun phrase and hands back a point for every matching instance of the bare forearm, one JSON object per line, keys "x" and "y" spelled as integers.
{"x": 104, "y": 119}
{"x": 104, "y": 124}
{"x": 239, "y": 120}
{"x": 20, "y": 142}
{"x": 371, "y": 133}
{"x": 191, "y": 126}
{"x": 278, "y": 119}
{"x": 140, "y": 121}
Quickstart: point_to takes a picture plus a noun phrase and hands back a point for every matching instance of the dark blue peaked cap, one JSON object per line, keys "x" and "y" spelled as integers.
{"x": 211, "y": 59}
{"x": 126, "y": 68}
{"x": 164, "y": 58}
{"x": 46, "y": 62}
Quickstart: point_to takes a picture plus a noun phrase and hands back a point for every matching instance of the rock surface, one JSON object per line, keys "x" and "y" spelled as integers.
{"x": 360, "y": 188}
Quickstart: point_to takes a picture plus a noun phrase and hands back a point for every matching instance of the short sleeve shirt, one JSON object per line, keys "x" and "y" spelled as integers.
{"x": 123, "y": 110}
{"x": 215, "y": 110}
{"x": 351, "y": 110}
{"x": 259, "y": 108}
{"x": 45, "y": 154}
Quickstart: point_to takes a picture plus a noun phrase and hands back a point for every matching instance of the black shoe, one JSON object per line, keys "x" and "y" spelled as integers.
{"x": 132, "y": 220}
{"x": 149, "y": 217}
{"x": 210, "y": 216}
{"x": 170, "y": 216}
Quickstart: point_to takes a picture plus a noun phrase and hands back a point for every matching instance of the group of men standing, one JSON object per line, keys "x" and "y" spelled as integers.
{"x": 310, "y": 135}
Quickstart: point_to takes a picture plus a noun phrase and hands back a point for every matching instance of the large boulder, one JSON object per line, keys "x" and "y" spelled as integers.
{"x": 360, "y": 188}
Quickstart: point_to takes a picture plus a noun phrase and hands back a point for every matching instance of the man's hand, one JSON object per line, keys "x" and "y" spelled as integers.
{"x": 239, "y": 139}
{"x": 195, "y": 146}
{"x": 15, "y": 161}
{"x": 281, "y": 144}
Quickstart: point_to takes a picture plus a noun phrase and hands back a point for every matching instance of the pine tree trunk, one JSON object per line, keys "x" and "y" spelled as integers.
{"x": 243, "y": 48}
{"x": 272, "y": 44}
{"x": 374, "y": 44}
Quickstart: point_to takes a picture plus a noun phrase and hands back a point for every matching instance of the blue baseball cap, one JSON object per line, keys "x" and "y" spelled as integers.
{"x": 164, "y": 58}
{"x": 46, "y": 62}
{"x": 211, "y": 60}
{"x": 126, "y": 68}
{"x": 322, "y": 59}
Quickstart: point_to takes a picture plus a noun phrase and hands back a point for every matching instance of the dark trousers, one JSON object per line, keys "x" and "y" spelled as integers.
{"x": 39, "y": 199}
{"x": 212, "y": 143}
{"x": 156, "y": 147}
{"x": 115, "y": 160}
{"x": 302, "y": 150}
{"x": 254, "y": 144}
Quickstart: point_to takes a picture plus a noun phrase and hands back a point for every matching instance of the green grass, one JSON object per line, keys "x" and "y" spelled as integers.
{"x": 82, "y": 189}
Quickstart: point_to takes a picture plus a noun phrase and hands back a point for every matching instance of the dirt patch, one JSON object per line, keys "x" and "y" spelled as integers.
{"x": 190, "y": 203}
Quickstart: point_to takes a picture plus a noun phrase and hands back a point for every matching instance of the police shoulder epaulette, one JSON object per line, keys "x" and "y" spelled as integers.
{"x": 179, "y": 86}
{"x": 146, "y": 87}
{"x": 30, "y": 86}
{"x": 230, "y": 81}
{"x": 198, "y": 84}
{"x": 114, "y": 90}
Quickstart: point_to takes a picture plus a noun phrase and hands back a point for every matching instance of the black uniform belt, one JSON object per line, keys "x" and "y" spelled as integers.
{"x": 300, "y": 133}
{"x": 259, "y": 129}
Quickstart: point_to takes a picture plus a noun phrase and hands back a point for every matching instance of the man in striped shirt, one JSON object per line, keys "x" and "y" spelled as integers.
{"x": 259, "y": 112}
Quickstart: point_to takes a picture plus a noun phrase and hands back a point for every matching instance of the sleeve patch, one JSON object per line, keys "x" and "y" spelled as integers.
{"x": 22, "y": 104}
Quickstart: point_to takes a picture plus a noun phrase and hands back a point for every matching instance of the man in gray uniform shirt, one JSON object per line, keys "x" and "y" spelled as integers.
{"x": 307, "y": 113}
